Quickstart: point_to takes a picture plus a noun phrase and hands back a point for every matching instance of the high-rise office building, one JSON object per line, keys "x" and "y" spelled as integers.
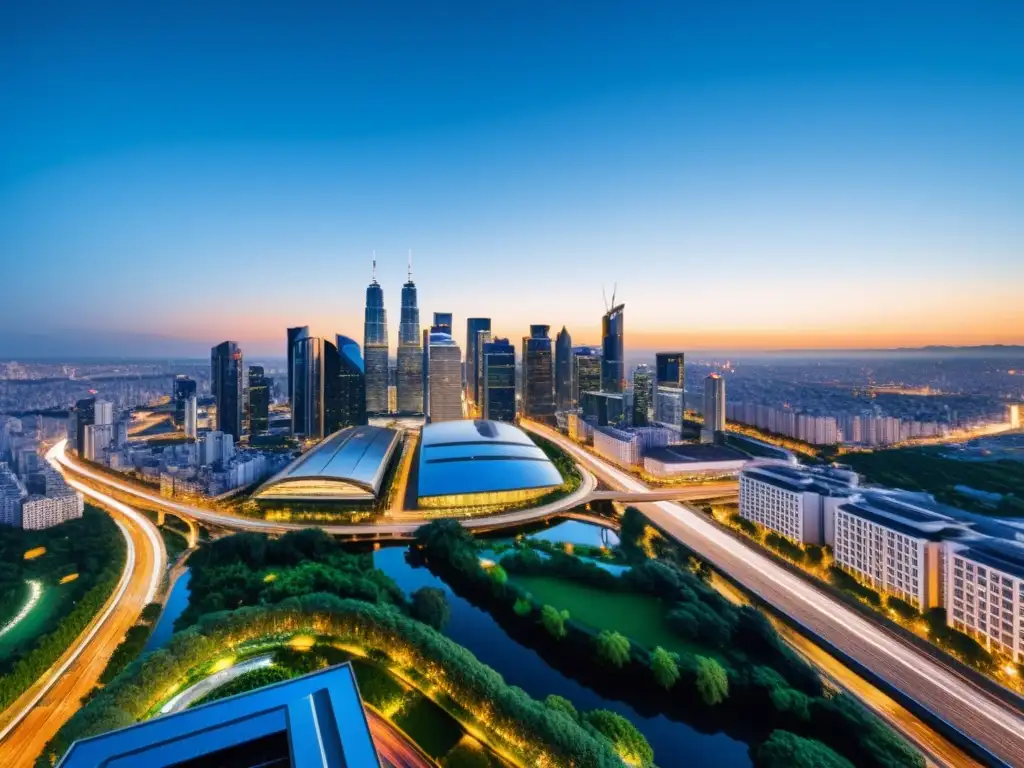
{"x": 444, "y": 372}
{"x": 669, "y": 398}
{"x": 473, "y": 327}
{"x": 442, "y": 323}
{"x": 538, "y": 374}
{"x": 259, "y": 401}
{"x": 643, "y": 395}
{"x": 375, "y": 347}
{"x": 409, "y": 383}
{"x": 498, "y": 380}
{"x": 294, "y": 334}
{"x": 563, "y": 370}
{"x": 82, "y": 416}
{"x": 191, "y": 419}
{"x": 482, "y": 338}
{"x": 345, "y": 385}
{"x": 714, "y": 407}
{"x": 184, "y": 388}
{"x": 586, "y": 373}
{"x": 226, "y": 384}
{"x": 329, "y": 387}
{"x": 613, "y": 362}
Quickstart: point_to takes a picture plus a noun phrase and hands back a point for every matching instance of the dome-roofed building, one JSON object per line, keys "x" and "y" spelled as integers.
{"x": 478, "y": 463}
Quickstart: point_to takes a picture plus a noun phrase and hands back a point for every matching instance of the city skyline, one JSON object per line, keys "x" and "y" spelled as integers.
{"x": 835, "y": 178}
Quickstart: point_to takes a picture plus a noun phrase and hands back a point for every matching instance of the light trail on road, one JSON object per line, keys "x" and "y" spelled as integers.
{"x": 35, "y": 591}
{"x": 994, "y": 725}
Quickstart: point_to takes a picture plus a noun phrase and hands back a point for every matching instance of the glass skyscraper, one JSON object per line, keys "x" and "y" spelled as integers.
{"x": 226, "y": 384}
{"x": 442, "y": 323}
{"x": 294, "y": 334}
{"x": 444, "y": 374}
{"x": 563, "y": 370}
{"x": 643, "y": 395}
{"x": 409, "y": 382}
{"x": 613, "y": 364}
{"x": 259, "y": 400}
{"x": 538, "y": 374}
{"x": 473, "y": 327}
{"x": 329, "y": 387}
{"x": 498, "y": 381}
{"x": 586, "y": 373}
{"x": 184, "y": 388}
{"x": 375, "y": 348}
{"x": 669, "y": 399}
{"x": 307, "y": 376}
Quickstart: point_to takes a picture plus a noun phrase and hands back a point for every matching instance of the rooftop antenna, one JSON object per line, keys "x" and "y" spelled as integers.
{"x": 410, "y": 265}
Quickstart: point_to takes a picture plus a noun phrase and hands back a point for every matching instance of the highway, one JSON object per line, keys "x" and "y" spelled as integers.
{"x": 37, "y": 715}
{"x": 990, "y": 723}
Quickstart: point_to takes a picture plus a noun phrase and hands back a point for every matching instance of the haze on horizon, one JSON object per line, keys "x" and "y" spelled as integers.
{"x": 793, "y": 176}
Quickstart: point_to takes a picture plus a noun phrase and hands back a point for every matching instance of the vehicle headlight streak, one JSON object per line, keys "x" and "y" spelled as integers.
{"x": 35, "y": 591}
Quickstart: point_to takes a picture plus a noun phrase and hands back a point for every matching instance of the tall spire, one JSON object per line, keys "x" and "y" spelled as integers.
{"x": 374, "y": 275}
{"x": 410, "y": 265}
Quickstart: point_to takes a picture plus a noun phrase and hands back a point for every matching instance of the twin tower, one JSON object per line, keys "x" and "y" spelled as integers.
{"x": 409, "y": 375}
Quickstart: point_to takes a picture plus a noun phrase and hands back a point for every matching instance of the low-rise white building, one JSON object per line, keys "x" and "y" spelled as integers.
{"x": 681, "y": 462}
{"x": 626, "y": 447}
{"x": 893, "y": 542}
{"x": 985, "y": 593}
{"x": 794, "y": 500}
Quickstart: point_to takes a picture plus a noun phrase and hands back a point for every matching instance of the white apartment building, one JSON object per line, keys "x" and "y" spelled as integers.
{"x": 893, "y": 542}
{"x": 98, "y": 439}
{"x": 12, "y": 493}
{"x": 40, "y": 512}
{"x": 216, "y": 448}
{"x": 626, "y": 447}
{"x": 444, "y": 373}
{"x": 985, "y": 593}
{"x": 794, "y": 501}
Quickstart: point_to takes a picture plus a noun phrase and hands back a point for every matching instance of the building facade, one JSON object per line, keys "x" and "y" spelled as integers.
{"x": 226, "y": 385}
{"x": 538, "y": 386}
{"x": 444, "y": 371}
{"x": 184, "y": 388}
{"x": 375, "y": 348}
{"x": 191, "y": 423}
{"x": 714, "y": 407}
{"x": 345, "y": 380}
{"x": 259, "y": 401}
{"x": 643, "y": 395}
{"x": 985, "y": 594}
{"x": 669, "y": 386}
{"x": 474, "y": 326}
{"x": 586, "y": 373}
{"x": 626, "y": 447}
{"x": 409, "y": 383}
{"x": 613, "y": 361}
{"x": 294, "y": 334}
{"x": 563, "y": 370}
{"x": 498, "y": 377}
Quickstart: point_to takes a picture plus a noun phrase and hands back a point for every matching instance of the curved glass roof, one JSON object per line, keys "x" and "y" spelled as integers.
{"x": 350, "y": 464}
{"x": 463, "y": 457}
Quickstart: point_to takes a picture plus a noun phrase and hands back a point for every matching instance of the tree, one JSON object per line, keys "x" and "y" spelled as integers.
{"x": 430, "y": 606}
{"x": 712, "y": 681}
{"x": 498, "y": 575}
{"x": 902, "y": 608}
{"x": 664, "y": 667}
{"x": 523, "y": 606}
{"x": 151, "y": 613}
{"x": 613, "y": 648}
{"x": 628, "y": 742}
{"x": 787, "y": 750}
{"x": 554, "y": 621}
{"x": 562, "y": 704}
{"x": 815, "y": 554}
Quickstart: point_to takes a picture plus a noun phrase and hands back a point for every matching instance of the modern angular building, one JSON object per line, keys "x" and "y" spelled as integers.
{"x": 444, "y": 374}
{"x": 563, "y": 370}
{"x": 226, "y": 385}
{"x": 409, "y": 382}
{"x": 483, "y": 338}
{"x": 313, "y": 721}
{"x": 328, "y": 387}
{"x": 259, "y": 400}
{"x": 538, "y": 374}
{"x": 184, "y": 388}
{"x": 586, "y": 373}
{"x": 375, "y": 347}
{"x": 474, "y": 325}
{"x": 442, "y": 323}
{"x": 613, "y": 360}
{"x": 498, "y": 381}
{"x": 480, "y": 464}
{"x": 669, "y": 386}
{"x": 349, "y": 466}
{"x": 346, "y": 385}
{"x": 643, "y": 395}
{"x": 714, "y": 407}
{"x": 294, "y": 334}
{"x": 191, "y": 424}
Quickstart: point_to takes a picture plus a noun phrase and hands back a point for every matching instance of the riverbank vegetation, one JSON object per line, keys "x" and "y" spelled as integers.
{"x": 80, "y": 565}
{"x": 692, "y": 655}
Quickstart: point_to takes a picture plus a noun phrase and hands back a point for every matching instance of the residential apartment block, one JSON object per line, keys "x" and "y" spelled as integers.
{"x": 985, "y": 589}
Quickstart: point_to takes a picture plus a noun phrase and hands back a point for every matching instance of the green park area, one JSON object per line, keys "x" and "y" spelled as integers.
{"x": 52, "y": 583}
{"x": 927, "y": 469}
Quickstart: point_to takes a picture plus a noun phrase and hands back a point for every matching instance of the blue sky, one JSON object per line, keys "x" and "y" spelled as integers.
{"x": 751, "y": 175}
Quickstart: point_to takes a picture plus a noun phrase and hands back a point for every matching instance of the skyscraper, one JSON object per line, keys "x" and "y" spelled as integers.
{"x": 498, "y": 380}
{"x": 442, "y": 323}
{"x": 714, "y": 407}
{"x": 259, "y": 401}
{"x": 191, "y": 419}
{"x": 375, "y": 347}
{"x": 473, "y": 327}
{"x": 307, "y": 377}
{"x": 226, "y": 384}
{"x": 613, "y": 370}
{"x": 482, "y": 338}
{"x": 538, "y": 374}
{"x": 81, "y": 416}
{"x": 444, "y": 388}
{"x": 586, "y": 373}
{"x": 669, "y": 398}
{"x": 184, "y": 388}
{"x": 294, "y": 334}
{"x": 563, "y": 370}
{"x": 409, "y": 384}
{"x": 344, "y": 386}
{"x": 643, "y": 395}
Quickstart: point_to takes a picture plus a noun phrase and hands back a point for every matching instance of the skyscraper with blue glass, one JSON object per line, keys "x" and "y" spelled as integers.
{"x": 473, "y": 327}
{"x": 613, "y": 361}
{"x": 538, "y": 374}
{"x": 409, "y": 383}
{"x": 375, "y": 347}
{"x": 498, "y": 381}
